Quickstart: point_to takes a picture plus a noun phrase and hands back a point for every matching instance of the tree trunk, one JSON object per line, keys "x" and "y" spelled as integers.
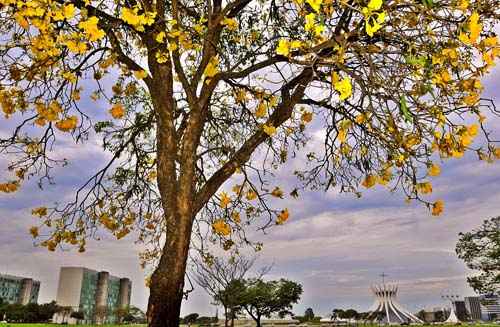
{"x": 226, "y": 320}
{"x": 167, "y": 282}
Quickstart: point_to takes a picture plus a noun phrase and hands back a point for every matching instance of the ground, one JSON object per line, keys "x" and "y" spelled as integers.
{"x": 52, "y": 325}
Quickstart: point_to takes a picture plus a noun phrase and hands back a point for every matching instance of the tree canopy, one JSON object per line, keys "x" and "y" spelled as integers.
{"x": 203, "y": 92}
{"x": 480, "y": 249}
{"x": 264, "y": 298}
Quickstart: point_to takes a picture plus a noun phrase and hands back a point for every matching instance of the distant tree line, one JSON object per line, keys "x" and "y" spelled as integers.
{"x": 29, "y": 313}
{"x": 195, "y": 318}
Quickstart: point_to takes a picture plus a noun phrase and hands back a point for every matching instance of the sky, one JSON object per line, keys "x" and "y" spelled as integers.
{"x": 335, "y": 245}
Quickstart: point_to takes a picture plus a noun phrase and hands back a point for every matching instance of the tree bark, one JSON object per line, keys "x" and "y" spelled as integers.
{"x": 167, "y": 281}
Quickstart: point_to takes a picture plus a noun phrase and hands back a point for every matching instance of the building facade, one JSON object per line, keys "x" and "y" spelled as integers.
{"x": 15, "y": 289}
{"x": 473, "y": 306}
{"x": 490, "y": 307}
{"x": 97, "y": 294}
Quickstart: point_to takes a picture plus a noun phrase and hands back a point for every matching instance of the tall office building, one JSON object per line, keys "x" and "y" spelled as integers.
{"x": 15, "y": 289}
{"x": 473, "y": 306}
{"x": 98, "y": 295}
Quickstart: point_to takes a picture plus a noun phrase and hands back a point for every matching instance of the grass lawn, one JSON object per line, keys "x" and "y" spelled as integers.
{"x": 53, "y": 325}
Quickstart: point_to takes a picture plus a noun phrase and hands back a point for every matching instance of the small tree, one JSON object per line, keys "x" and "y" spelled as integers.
{"x": 337, "y": 313}
{"x": 480, "y": 249}
{"x": 261, "y": 299}
{"x": 78, "y": 315}
{"x": 221, "y": 279}
{"x": 190, "y": 318}
{"x": 121, "y": 313}
{"x": 309, "y": 314}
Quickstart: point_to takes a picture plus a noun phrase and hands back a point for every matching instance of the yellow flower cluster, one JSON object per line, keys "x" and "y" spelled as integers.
{"x": 9, "y": 187}
{"x": 225, "y": 200}
{"x": 117, "y": 111}
{"x": 474, "y": 30}
{"x": 374, "y": 18}
{"x": 285, "y": 46}
{"x": 221, "y": 228}
{"x": 343, "y": 86}
{"x": 132, "y": 17}
{"x": 91, "y": 29}
{"x": 282, "y": 217}
{"x": 67, "y": 124}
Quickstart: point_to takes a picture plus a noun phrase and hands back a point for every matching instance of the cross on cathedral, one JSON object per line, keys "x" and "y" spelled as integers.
{"x": 383, "y": 275}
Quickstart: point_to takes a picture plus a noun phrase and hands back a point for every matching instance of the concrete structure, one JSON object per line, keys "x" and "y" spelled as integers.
{"x": 473, "y": 307}
{"x": 386, "y": 309}
{"x": 460, "y": 310}
{"x": 98, "y": 295}
{"x": 490, "y": 307}
{"x": 15, "y": 289}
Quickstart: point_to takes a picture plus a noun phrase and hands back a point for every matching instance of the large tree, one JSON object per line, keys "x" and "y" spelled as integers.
{"x": 202, "y": 92}
{"x": 480, "y": 249}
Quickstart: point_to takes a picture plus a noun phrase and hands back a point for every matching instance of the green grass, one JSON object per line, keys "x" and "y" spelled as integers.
{"x": 52, "y": 325}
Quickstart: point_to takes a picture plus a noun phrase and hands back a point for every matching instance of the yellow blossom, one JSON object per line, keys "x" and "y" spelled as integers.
{"x": 282, "y": 217}
{"x": 221, "y": 227}
{"x": 369, "y": 181}
{"x": 437, "y": 207}
{"x": 68, "y": 124}
{"x": 269, "y": 129}
{"x": 277, "y": 192}
{"x": 224, "y": 200}
{"x": 283, "y": 47}
{"x": 140, "y": 74}
{"x": 424, "y": 188}
{"x": 230, "y": 23}
{"x": 160, "y": 37}
{"x": 434, "y": 170}
{"x": 251, "y": 195}
{"x": 344, "y": 87}
{"x": 91, "y": 29}
{"x": 212, "y": 67}
{"x": 34, "y": 231}
{"x": 315, "y": 4}
{"x": 117, "y": 111}
{"x": 40, "y": 211}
